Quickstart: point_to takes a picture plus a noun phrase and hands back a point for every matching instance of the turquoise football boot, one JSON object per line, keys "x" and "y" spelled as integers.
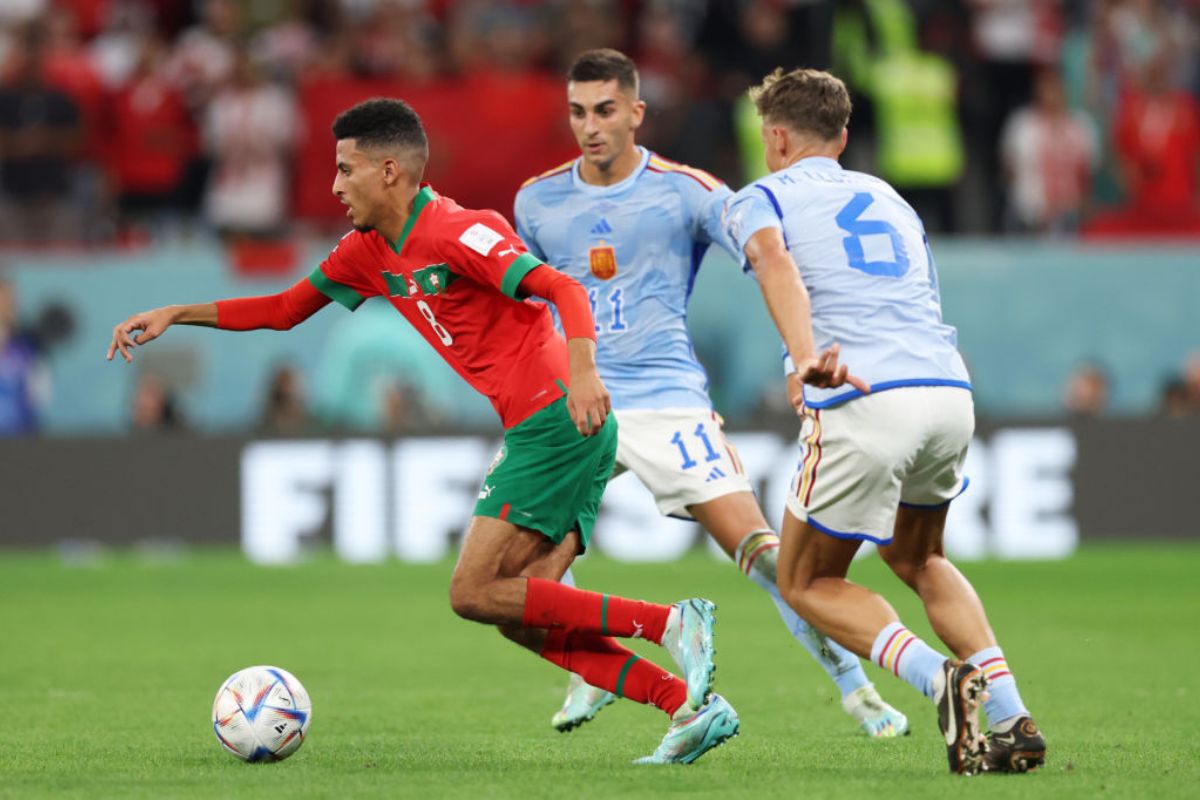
{"x": 693, "y": 735}
{"x": 582, "y": 704}
{"x": 689, "y": 639}
{"x": 876, "y": 718}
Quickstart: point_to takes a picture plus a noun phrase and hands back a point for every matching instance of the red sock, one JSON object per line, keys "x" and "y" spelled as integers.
{"x": 549, "y": 604}
{"x": 605, "y": 664}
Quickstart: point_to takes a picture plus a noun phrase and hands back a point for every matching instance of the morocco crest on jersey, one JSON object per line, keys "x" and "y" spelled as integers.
{"x": 603, "y": 260}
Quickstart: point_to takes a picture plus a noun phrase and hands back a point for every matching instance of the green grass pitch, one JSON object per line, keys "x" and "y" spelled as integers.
{"x": 107, "y": 674}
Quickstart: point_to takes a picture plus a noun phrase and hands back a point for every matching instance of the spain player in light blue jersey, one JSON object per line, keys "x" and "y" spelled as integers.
{"x": 846, "y": 271}
{"x": 632, "y": 227}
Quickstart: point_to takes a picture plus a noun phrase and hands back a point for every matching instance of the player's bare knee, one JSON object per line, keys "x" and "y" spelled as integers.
{"x": 906, "y": 566}
{"x": 466, "y": 600}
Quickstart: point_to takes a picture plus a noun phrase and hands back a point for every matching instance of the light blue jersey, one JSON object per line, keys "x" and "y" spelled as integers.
{"x": 865, "y": 260}
{"x": 636, "y": 247}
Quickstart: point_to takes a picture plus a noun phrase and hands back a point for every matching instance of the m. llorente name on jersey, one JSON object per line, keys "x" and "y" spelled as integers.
{"x": 611, "y": 239}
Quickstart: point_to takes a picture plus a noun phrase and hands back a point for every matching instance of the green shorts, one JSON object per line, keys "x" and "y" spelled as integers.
{"x": 548, "y": 477}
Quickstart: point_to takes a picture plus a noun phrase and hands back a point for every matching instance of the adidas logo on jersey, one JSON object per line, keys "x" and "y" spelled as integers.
{"x": 602, "y": 227}
{"x": 716, "y": 474}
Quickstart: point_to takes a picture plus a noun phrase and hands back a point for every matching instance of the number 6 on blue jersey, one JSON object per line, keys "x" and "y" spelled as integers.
{"x": 848, "y": 220}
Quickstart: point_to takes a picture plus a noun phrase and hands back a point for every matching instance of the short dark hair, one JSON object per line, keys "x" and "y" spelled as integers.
{"x": 605, "y": 64}
{"x": 806, "y": 100}
{"x": 382, "y": 122}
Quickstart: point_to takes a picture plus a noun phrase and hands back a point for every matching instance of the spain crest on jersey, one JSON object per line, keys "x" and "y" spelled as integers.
{"x": 602, "y": 258}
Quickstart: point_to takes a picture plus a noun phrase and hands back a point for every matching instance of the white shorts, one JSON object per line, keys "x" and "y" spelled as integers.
{"x": 860, "y": 460}
{"x": 680, "y": 455}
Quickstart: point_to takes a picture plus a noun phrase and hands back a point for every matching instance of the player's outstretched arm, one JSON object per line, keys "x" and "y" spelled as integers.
{"x": 588, "y": 400}
{"x": 277, "y": 312}
{"x": 788, "y": 303}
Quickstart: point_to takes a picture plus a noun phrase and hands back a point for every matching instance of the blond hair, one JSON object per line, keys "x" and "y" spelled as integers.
{"x": 806, "y": 100}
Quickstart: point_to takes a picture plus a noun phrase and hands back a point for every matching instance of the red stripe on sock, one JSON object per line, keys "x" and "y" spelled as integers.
{"x": 549, "y": 604}
{"x": 599, "y": 660}
{"x": 896, "y": 663}
{"x": 1000, "y": 674}
{"x": 989, "y": 661}
{"x": 759, "y": 552}
{"x": 887, "y": 645}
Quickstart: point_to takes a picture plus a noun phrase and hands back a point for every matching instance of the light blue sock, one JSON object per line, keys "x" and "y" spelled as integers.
{"x": 902, "y": 653}
{"x": 1004, "y": 701}
{"x": 568, "y": 579}
{"x": 757, "y": 554}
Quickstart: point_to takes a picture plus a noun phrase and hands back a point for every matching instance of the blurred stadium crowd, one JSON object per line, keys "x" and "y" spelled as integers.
{"x": 133, "y": 122}
{"x": 119, "y": 117}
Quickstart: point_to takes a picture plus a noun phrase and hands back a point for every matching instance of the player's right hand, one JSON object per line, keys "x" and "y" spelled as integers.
{"x": 822, "y": 371}
{"x": 588, "y": 402}
{"x": 150, "y": 323}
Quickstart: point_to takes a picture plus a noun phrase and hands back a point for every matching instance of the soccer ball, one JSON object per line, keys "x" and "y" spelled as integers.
{"x": 261, "y": 714}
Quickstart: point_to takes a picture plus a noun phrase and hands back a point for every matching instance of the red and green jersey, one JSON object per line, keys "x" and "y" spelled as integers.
{"x": 454, "y": 275}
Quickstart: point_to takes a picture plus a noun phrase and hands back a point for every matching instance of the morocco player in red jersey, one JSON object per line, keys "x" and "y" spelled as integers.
{"x": 462, "y": 278}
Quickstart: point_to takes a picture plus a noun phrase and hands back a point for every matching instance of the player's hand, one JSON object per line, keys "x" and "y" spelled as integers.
{"x": 588, "y": 402}
{"x": 151, "y": 325}
{"x": 824, "y": 372}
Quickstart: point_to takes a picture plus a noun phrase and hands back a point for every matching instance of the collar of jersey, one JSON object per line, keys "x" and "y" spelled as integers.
{"x": 817, "y": 162}
{"x": 419, "y": 202}
{"x": 584, "y": 186}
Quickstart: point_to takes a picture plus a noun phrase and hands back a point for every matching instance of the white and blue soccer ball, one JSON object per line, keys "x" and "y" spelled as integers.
{"x": 261, "y": 714}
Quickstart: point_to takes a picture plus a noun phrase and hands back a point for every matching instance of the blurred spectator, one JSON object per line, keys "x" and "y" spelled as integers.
{"x": 1087, "y": 391}
{"x": 205, "y": 54}
{"x": 285, "y": 412}
{"x": 23, "y": 377}
{"x": 248, "y": 131}
{"x": 288, "y": 47}
{"x": 1157, "y": 135}
{"x": 155, "y": 407}
{"x": 912, "y": 97}
{"x": 1181, "y": 393}
{"x": 18, "y": 12}
{"x": 1012, "y": 38}
{"x": 397, "y": 41}
{"x": 402, "y": 411}
{"x": 117, "y": 49}
{"x": 1175, "y": 403}
{"x": 153, "y": 140}
{"x": 1048, "y": 153}
{"x": 1191, "y": 380}
{"x": 39, "y": 134}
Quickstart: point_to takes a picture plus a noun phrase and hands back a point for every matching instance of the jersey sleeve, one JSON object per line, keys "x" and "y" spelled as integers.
{"x": 522, "y": 213}
{"x": 340, "y": 276}
{"x": 748, "y": 212}
{"x": 710, "y": 227}
{"x": 484, "y": 247}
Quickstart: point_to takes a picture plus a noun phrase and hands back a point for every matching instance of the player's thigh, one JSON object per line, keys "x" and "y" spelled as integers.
{"x": 680, "y": 455}
{"x": 494, "y": 548}
{"x": 730, "y": 518}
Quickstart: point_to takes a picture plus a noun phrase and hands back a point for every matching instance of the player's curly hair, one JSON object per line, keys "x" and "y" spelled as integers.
{"x": 605, "y": 64}
{"x": 806, "y": 100}
{"x": 383, "y": 122}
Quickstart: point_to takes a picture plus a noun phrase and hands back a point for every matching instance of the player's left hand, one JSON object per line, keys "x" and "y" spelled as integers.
{"x": 588, "y": 402}
{"x": 824, "y": 372}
